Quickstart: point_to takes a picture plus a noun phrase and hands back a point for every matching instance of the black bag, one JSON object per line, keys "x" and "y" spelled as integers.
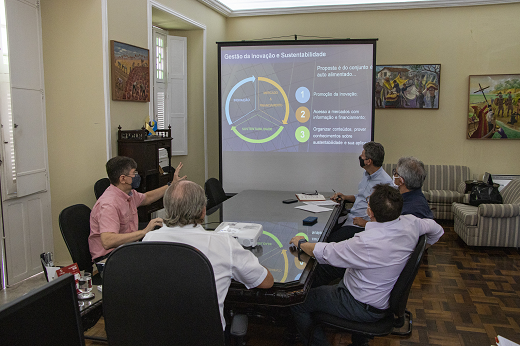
{"x": 485, "y": 193}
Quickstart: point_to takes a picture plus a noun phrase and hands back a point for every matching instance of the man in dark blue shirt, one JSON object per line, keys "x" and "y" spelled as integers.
{"x": 409, "y": 177}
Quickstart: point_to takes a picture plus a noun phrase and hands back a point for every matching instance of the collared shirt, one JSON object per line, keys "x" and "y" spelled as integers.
{"x": 227, "y": 257}
{"x": 376, "y": 257}
{"x": 415, "y": 203}
{"x": 365, "y": 189}
{"x": 114, "y": 212}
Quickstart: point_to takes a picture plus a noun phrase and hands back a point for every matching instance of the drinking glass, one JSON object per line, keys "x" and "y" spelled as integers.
{"x": 85, "y": 286}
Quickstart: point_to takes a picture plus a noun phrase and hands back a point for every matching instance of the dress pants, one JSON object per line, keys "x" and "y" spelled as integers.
{"x": 332, "y": 299}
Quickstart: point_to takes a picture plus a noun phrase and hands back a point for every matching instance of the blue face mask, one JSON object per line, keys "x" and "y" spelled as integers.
{"x": 136, "y": 181}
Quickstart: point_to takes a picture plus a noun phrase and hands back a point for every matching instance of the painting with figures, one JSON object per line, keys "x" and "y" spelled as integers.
{"x": 407, "y": 86}
{"x": 494, "y": 107}
{"x": 130, "y": 72}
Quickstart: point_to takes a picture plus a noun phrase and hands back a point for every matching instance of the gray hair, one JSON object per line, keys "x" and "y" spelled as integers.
{"x": 375, "y": 152}
{"x": 412, "y": 171}
{"x": 184, "y": 203}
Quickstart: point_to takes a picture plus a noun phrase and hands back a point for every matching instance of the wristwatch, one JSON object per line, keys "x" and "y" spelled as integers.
{"x": 300, "y": 242}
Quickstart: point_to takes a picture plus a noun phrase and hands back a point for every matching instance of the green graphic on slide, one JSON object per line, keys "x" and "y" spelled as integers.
{"x": 302, "y": 134}
{"x": 250, "y": 140}
{"x": 263, "y": 108}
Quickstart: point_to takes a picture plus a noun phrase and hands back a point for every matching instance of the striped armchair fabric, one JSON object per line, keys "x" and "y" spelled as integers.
{"x": 444, "y": 185}
{"x": 491, "y": 224}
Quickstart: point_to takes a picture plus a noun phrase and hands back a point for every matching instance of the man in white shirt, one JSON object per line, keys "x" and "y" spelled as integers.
{"x": 374, "y": 260}
{"x": 185, "y": 204}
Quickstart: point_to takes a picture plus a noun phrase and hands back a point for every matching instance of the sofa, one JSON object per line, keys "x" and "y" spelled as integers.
{"x": 444, "y": 184}
{"x": 491, "y": 224}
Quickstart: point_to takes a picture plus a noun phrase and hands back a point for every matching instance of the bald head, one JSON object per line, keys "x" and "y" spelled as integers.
{"x": 185, "y": 204}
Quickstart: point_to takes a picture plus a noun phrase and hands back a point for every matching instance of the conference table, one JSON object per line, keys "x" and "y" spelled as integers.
{"x": 292, "y": 274}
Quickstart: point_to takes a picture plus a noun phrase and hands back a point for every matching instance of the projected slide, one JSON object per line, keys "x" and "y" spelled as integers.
{"x": 296, "y": 98}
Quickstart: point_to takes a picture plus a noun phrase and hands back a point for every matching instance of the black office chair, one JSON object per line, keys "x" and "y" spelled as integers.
{"x": 75, "y": 228}
{"x": 100, "y": 186}
{"x": 215, "y": 193}
{"x": 160, "y": 293}
{"x": 398, "y": 300}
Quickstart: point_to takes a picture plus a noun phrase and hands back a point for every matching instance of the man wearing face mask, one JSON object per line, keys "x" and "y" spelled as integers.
{"x": 371, "y": 160}
{"x": 409, "y": 177}
{"x": 113, "y": 220}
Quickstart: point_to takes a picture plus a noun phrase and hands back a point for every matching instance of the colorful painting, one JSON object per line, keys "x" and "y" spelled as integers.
{"x": 494, "y": 107}
{"x": 407, "y": 86}
{"x": 130, "y": 72}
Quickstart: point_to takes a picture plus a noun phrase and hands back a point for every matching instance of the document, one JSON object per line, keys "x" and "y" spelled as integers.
{"x": 313, "y": 208}
{"x": 322, "y": 203}
{"x": 307, "y": 198}
{"x": 501, "y": 341}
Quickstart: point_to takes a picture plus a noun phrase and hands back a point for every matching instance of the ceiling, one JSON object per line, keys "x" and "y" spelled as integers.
{"x": 235, "y": 8}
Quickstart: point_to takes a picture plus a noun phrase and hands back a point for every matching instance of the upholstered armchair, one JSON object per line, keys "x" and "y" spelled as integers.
{"x": 491, "y": 224}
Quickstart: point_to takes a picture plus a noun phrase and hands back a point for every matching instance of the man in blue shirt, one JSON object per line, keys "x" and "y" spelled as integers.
{"x": 371, "y": 160}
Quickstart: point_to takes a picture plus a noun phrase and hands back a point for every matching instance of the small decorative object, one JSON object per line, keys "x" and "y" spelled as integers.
{"x": 130, "y": 72}
{"x": 494, "y": 107}
{"x": 150, "y": 126}
{"x": 407, "y": 86}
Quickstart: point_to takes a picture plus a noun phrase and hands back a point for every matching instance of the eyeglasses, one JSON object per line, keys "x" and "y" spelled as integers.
{"x": 394, "y": 173}
{"x": 131, "y": 176}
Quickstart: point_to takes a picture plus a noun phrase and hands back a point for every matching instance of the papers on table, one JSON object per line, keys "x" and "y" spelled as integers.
{"x": 322, "y": 203}
{"x": 307, "y": 198}
{"x": 313, "y": 208}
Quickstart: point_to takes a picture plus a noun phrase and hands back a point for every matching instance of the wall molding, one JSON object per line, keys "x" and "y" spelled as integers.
{"x": 106, "y": 75}
{"x": 153, "y": 3}
{"x": 226, "y": 11}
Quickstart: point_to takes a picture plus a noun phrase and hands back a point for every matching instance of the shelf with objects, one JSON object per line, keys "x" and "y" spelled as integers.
{"x": 144, "y": 149}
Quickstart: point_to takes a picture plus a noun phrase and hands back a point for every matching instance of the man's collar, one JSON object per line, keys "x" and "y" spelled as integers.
{"x": 375, "y": 174}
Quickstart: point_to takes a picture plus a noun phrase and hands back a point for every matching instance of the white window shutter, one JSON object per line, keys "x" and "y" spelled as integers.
{"x": 177, "y": 108}
{"x": 28, "y": 111}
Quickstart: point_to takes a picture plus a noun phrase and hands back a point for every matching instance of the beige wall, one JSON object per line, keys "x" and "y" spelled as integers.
{"x": 464, "y": 40}
{"x": 73, "y": 68}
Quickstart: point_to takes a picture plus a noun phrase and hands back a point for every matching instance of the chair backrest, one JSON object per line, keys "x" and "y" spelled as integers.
{"x": 399, "y": 294}
{"x": 160, "y": 293}
{"x": 100, "y": 186}
{"x": 75, "y": 228}
{"x": 214, "y": 192}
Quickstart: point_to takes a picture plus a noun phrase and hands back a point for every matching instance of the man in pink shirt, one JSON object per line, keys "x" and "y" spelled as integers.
{"x": 113, "y": 220}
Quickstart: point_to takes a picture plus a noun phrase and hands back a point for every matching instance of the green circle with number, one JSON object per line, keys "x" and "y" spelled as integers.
{"x": 302, "y": 134}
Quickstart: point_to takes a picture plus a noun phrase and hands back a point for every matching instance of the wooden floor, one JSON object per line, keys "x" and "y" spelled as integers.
{"x": 461, "y": 296}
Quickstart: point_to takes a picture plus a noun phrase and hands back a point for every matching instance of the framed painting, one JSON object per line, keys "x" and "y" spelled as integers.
{"x": 130, "y": 72}
{"x": 407, "y": 86}
{"x": 494, "y": 107}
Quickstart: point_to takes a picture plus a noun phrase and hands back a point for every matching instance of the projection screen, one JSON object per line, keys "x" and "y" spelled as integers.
{"x": 294, "y": 115}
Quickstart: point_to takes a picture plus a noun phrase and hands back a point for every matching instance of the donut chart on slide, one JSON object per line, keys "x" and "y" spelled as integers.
{"x": 266, "y": 114}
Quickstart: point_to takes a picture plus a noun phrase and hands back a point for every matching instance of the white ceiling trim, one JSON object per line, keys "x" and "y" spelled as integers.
{"x": 226, "y": 11}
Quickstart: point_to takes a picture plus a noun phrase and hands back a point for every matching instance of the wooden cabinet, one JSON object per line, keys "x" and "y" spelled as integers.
{"x": 144, "y": 150}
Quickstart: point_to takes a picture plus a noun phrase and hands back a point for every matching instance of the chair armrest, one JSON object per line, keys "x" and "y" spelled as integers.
{"x": 499, "y": 210}
{"x": 461, "y": 188}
